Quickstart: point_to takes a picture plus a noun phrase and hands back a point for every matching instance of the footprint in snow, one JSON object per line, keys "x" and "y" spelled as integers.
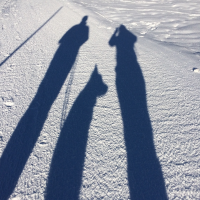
{"x": 43, "y": 141}
{"x": 9, "y": 102}
{"x": 196, "y": 70}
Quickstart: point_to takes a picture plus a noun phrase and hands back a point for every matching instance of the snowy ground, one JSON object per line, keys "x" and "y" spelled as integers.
{"x": 167, "y": 50}
{"x": 174, "y": 22}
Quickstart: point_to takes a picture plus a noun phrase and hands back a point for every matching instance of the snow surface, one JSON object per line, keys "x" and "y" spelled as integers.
{"x": 175, "y": 22}
{"x": 167, "y": 51}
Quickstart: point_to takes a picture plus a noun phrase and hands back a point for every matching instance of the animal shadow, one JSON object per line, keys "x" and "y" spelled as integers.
{"x": 145, "y": 177}
{"x": 64, "y": 180}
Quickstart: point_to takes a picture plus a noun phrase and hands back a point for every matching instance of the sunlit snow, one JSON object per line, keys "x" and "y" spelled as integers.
{"x": 65, "y": 134}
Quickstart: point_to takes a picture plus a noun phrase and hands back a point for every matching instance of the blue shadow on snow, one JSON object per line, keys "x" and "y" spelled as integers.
{"x": 25, "y": 135}
{"x": 145, "y": 177}
{"x": 64, "y": 180}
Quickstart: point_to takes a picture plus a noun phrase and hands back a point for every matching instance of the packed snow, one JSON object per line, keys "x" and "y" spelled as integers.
{"x": 99, "y": 107}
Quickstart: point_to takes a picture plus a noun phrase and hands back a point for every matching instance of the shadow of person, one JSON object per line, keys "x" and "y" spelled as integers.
{"x": 28, "y": 129}
{"x": 66, "y": 168}
{"x": 144, "y": 171}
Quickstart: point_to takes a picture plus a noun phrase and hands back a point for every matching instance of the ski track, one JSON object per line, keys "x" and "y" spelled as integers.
{"x": 172, "y": 97}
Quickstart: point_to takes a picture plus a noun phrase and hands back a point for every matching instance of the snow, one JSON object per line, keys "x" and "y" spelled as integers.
{"x": 167, "y": 51}
{"x": 175, "y": 22}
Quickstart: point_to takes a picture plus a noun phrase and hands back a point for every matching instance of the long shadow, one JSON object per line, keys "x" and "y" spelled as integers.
{"x": 28, "y": 129}
{"x": 144, "y": 171}
{"x": 66, "y": 169}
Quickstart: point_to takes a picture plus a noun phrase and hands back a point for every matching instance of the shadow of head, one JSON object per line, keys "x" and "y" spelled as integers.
{"x": 122, "y": 36}
{"x": 77, "y": 35}
{"x": 84, "y": 20}
{"x": 97, "y": 86}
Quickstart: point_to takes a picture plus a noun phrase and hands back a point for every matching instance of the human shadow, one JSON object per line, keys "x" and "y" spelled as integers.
{"x": 29, "y": 127}
{"x": 66, "y": 168}
{"x": 145, "y": 177}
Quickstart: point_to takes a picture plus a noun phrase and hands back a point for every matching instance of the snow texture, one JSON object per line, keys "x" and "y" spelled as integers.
{"x": 125, "y": 129}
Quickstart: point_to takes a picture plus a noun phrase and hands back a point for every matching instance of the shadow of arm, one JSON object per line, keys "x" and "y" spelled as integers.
{"x": 113, "y": 39}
